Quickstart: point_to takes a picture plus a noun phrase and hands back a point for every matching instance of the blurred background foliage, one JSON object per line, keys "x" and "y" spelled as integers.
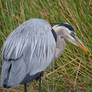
{"x": 73, "y": 72}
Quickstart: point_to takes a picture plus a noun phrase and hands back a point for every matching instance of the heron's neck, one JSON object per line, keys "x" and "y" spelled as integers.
{"x": 58, "y": 30}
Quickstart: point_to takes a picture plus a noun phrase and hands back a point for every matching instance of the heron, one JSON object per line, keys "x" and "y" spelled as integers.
{"x": 31, "y": 48}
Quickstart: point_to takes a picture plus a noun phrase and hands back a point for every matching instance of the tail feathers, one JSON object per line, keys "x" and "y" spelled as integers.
{"x": 13, "y": 72}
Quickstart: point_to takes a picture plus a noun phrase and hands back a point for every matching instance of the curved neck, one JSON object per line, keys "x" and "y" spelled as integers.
{"x": 58, "y": 30}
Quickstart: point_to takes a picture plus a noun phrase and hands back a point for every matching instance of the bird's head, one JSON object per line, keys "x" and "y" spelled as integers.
{"x": 67, "y": 32}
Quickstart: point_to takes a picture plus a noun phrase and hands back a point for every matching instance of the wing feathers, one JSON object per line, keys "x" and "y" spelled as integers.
{"x": 30, "y": 48}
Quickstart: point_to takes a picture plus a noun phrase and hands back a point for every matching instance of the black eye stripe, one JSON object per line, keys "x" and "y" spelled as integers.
{"x": 67, "y": 26}
{"x": 73, "y": 34}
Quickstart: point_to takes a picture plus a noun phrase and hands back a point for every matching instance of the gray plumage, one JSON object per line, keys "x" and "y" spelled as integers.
{"x": 28, "y": 50}
{"x": 31, "y": 47}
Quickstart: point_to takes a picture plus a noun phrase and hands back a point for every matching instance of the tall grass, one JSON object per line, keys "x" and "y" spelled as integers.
{"x": 74, "y": 68}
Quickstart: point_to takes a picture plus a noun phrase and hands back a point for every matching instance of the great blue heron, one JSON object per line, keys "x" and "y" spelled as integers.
{"x": 31, "y": 47}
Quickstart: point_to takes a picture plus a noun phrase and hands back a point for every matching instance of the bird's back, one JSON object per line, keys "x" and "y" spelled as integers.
{"x": 28, "y": 50}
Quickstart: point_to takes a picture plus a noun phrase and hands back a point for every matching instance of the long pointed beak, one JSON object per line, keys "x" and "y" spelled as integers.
{"x": 81, "y": 45}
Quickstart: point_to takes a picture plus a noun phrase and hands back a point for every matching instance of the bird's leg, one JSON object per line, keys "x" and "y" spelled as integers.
{"x": 25, "y": 87}
{"x": 55, "y": 65}
{"x": 40, "y": 83}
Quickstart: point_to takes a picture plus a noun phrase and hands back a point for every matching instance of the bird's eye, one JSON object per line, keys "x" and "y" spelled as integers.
{"x": 73, "y": 34}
